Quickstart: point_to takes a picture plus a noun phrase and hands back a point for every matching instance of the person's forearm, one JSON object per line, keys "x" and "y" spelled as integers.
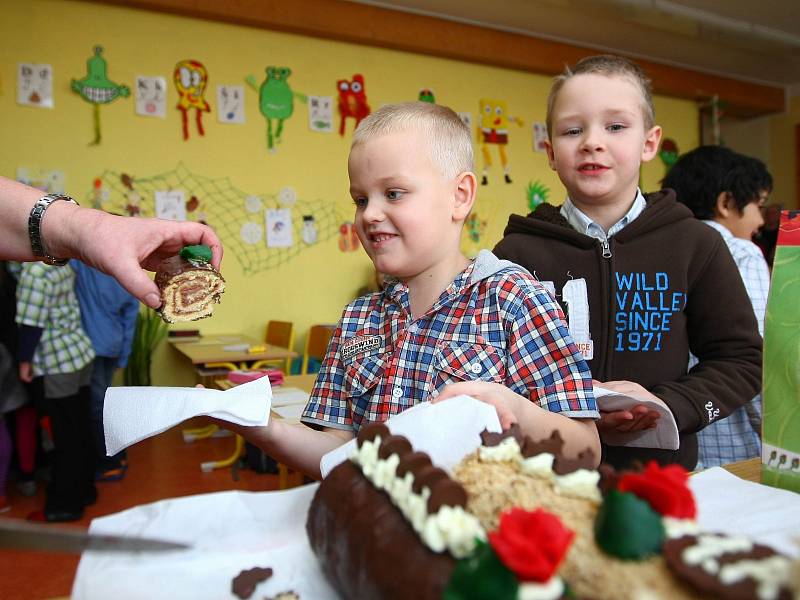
{"x": 295, "y": 445}
{"x": 578, "y": 434}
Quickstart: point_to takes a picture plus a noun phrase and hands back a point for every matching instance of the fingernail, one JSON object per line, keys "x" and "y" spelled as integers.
{"x": 152, "y": 300}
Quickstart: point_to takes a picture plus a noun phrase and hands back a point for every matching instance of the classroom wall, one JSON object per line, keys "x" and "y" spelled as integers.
{"x": 308, "y": 284}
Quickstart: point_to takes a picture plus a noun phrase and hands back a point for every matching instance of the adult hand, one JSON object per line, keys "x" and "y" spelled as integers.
{"x": 637, "y": 418}
{"x": 506, "y": 402}
{"x": 124, "y": 246}
{"x": 25, "y": 372}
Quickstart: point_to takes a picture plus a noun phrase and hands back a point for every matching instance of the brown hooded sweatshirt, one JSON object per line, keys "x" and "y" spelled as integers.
{"x": 663, "y": 286}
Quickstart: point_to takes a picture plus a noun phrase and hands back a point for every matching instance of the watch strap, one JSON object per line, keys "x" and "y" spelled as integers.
{"x": 35, "y": 219}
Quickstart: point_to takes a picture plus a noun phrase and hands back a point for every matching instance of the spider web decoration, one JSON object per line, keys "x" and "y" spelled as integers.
{"x": 235, "y": 215}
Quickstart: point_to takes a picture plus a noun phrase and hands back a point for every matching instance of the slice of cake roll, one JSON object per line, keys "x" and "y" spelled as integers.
{"x": 190, "y": 286}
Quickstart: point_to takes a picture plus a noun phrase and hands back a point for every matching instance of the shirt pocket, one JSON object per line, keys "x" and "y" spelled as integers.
{"x": 468, "y": 361}
{"x": 363, "y": 374}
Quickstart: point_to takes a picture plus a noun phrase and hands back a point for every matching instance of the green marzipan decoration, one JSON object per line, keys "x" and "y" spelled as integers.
{"x": 481, "y": 576}
{"x": 627, "y": 527}
{"x": 782, "y": 370}
{"x": 199, "y": 252}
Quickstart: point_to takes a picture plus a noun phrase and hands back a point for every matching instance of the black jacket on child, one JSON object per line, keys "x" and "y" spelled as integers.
{"x": 663, "y": 286}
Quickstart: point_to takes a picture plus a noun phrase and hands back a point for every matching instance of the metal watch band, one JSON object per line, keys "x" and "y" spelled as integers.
{"x": 35, "y": 228}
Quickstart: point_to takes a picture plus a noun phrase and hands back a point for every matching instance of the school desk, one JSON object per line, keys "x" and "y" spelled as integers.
{"x": 229, "y": 348}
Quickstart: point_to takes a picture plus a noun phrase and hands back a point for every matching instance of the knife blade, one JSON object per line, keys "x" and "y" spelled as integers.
{"x": 22, "y": 535}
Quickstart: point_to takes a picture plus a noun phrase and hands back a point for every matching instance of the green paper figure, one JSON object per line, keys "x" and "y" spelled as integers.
{"x": 276, "y": 100}
{"x": 537, "y": 194}
{"x": 426, "y": 95}
{"x": 668, "y": 153}
{"x": 97, "y": 88}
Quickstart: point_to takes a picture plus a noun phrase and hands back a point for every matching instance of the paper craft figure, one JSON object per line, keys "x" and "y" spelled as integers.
{"x": 230, "y": 104}
{"x": 466, "y": 118}
{"x": 668, "y": 153}
{"x": 309, "y": 230}
{"x": 151, "y": 96}
{"x": 171, "y": 205}
{"x": 191, "y": 79}
{"x": 493, "y": 130}
{"x": 348, "y": 238}
{"x": 426, "y": 95}
{"x": 539, "y": 137}
{"x": 352, "y": 101}
{"x": 475, "y": 227}
{"x": 537, "y": 194}
{"x": 35, "y": 85}
{"x": 97, "y": 88}
{"x": 320, "y": 113}
{"x": 275, "y": 101}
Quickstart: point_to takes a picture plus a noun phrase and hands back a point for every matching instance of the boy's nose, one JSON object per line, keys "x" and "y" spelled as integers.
{"x": 592, "y": 141}
{"x": 373, "y": 212}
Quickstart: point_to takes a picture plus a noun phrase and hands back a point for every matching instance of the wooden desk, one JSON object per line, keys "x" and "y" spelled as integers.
{"x": 211, "y": 349}
{"x": 749, "y": 469}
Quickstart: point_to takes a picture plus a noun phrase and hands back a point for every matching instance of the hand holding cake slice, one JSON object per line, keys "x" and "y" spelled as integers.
{"x": 189, "y": 284}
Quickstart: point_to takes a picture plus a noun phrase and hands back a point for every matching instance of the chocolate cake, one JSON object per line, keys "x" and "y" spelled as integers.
{"x": 190, "y": 286}
{"x": 516, "y": 519}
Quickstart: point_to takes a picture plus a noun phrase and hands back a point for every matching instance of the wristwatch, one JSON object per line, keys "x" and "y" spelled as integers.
{"x": 35, "y": 228}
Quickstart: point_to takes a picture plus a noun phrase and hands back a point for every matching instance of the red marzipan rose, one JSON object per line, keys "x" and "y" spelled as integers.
{"x": 531, "y": 543}
{"x": 664, "y": 488}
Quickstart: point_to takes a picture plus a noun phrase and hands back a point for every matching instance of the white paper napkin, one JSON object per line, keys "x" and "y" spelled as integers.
{"x": 447, "y": 431}
{"x": 131, "y": 414}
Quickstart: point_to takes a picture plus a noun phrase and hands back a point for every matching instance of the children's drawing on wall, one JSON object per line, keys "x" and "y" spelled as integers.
{"x": 309, "y": 230}
{"x": 151, "y": 96}
{"x": 191, "y": 79}
{"x": 99, "y": 193}
{"x": 170, "y": 204}
{"x": 320, "y": 113}
{"x": 275, "y": 101}
{"x": 493, "y": 131}
{"x": 96, "y": 88}
{"x": 668, "y": 153}
{"x": 539, "y": 137}
{"x": 466, "y": 118}
{"x": 230, "y": 104}
{"x": 238, "y": 216}
{"x": 348, "y": 238}
{"x": 352, "y": 101}
{"x": 427, "y": 95}
{"x": 35, "y": 85}
{"x": 279, "y": 227}
{"x": 51, "y": 181}
{"x": 537, "y": 194}
{"x": 475, "y": 227}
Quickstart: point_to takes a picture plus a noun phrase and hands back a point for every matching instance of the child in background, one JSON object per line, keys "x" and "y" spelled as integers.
{"x": 440, "y": 318}
{"x": 108, "y": 315}
{"x": 651, "y": 275}
{"x": 726, "y": 190}
{"x": 55, "y": 356}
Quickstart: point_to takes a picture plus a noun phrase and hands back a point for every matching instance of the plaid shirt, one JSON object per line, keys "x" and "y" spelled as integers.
{"x": 46, "y": 299}
{"x": 504, "y": 328}
{"x": 738, "y": 436}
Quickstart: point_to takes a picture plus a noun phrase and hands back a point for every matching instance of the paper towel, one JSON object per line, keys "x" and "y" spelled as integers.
{"x": 131, "y": 414}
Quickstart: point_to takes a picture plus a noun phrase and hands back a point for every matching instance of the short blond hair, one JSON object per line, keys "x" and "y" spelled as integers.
{"x": 610, "y": 66}
{"x": 449, "y": 139}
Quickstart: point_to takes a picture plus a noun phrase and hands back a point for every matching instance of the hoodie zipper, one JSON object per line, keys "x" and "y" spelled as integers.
{"x": 606, "y": 248}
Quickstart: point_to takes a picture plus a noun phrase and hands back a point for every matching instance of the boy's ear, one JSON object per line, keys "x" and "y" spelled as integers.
{"x": 652, "y": 139}
{"x": 551, "y": 157}
{"x": 464, "y": 195}
{"x": 723, "y": 205}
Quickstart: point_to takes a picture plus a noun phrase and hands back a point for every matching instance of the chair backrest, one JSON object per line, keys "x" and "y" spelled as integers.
{"x": 281, "y": 334}
{"x": 316, "y": 344}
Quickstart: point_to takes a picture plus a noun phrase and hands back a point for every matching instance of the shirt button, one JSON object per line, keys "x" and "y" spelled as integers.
{"x": 476, "y": 368}
{"x": 397, "y": 392}
{"x": 435, "y": 393}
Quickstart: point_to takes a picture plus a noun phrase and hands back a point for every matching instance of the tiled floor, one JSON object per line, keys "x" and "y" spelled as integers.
{"x": 160, "y": 467}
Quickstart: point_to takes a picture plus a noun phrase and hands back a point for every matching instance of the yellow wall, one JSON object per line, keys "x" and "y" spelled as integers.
{"x": 314, "y": 286}
{"x": 783, "y": 159}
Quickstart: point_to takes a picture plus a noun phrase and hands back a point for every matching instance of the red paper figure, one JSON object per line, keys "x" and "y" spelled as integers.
{"x": 352, "y": 100}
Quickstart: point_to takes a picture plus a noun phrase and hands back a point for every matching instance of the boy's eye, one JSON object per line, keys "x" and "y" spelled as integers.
{"x": 360, "y": 202}
{"x": 572, "y": 131}
{"x": 394, "y": 194}
{"x": 616, "y": 127}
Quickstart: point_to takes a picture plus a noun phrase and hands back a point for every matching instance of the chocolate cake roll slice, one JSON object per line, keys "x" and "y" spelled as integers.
{"x": 189, "y": 288}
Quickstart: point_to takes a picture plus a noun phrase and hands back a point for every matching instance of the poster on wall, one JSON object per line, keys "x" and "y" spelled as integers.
{"x": 320, "y": 113}
{"x": 230, "y": 104}
{"x": 51, "y": 181}
{"x": 279, "y": 227}
{"x": 466, "y": 118}
{"x": 171, "y": 204}
{"x": 35, "y": 85}
{"x": 539, "y": 137}
{"x": 151, "y": 96}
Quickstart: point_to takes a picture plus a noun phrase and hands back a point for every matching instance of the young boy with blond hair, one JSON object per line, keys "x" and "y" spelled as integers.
{"x": 440, "y": 317}
{"x": 650, "y": 274}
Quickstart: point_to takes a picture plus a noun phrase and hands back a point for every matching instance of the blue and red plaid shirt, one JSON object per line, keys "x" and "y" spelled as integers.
{"x": 503, "y": 327}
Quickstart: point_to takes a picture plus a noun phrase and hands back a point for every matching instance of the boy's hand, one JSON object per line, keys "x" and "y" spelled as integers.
{"x": 25, "y": 372}
{"x": 506, "y": 402}
{"x": 638, "y": 418}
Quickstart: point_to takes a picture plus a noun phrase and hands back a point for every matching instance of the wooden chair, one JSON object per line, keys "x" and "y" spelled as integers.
{"x": 316, "y": 344}
{"x": 281, "y": 334}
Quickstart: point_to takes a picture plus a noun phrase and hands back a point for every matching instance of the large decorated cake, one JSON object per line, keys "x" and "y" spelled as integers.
{"x": 517, "y": 519}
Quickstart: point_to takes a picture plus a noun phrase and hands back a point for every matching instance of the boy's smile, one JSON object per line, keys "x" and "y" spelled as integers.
{"x": 598, "y": 141}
